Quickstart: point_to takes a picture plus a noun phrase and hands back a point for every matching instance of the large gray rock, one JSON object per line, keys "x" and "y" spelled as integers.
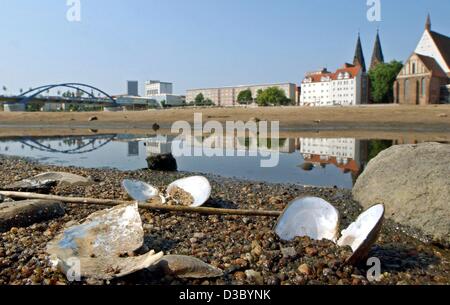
{"x": 413, "y": 182}
{"x": 28, "y": 212}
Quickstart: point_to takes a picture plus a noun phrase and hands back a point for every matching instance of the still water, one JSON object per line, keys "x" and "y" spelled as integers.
{"x": 306, "y": 161}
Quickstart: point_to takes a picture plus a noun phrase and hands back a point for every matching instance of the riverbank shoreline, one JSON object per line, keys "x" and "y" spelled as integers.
{"x": 232, "y": 243}
{"x": 432, "y": 118}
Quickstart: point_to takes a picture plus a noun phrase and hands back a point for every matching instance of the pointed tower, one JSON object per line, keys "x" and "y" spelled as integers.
{"x": 428, "y": 23}
{"x": 359, "y": 55}
{"x": 377, "y": 57}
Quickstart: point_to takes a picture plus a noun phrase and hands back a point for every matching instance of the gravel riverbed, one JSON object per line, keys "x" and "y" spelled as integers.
{"x": 246, "y": 248}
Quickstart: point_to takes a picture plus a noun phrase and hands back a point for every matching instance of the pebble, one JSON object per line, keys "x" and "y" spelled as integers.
{"x": 304, "y": 269}
{"x": 288, "y": 252}
{"x": 310, "y": 251}
{"x": 252, "y": 275}
{"x": 240, "y": 276}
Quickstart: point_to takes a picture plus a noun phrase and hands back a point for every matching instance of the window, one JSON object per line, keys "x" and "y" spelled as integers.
{"x": 406, "y": 89}
{"x": 414, "y": 68}
{"x": 424, "y": 86}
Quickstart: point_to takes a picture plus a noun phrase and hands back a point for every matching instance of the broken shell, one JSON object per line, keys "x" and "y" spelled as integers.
{"x": 30, "y": 185}
{"x": 114, "y": 231}
{"x": 308, "y": 216}
{"x": 140, "y": 191}
{"x": 363, "y": 233}
{"x": 112, "y": 267}
{"x": 187, "y": 267}
{"x": 95, "y": 245}
{"x": 197, "y": 186}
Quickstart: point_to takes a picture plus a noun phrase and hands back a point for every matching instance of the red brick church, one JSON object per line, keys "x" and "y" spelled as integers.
{"x": 425, "y": 77}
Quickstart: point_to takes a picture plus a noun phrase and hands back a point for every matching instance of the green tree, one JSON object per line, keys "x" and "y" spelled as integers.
{"x": 377, "y": 146}
{"x": 199, "y": 99}
{"x": 208, "y": 102}
{"x": 382, "y": 79}
{"x": 272, "y": 96}
{"x": 245, "y": 97}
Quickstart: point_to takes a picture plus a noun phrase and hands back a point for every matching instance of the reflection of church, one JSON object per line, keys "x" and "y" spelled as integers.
{"x": 425, "y": 77}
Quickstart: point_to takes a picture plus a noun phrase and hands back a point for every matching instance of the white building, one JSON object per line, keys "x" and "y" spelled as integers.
{"x": 228, "y": 96}
{"x": 162, "y": 92}
{"x": 167, "y": 99}
{"x": 345, "y": 153}
{"x": 347, "y": 86}
{"x": 341, "y": 148}
{"x": 155, "y": 87}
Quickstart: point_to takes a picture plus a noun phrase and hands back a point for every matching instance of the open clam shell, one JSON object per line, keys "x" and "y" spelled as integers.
{"x": 95, "y": 246}
{"x": 308, "y": 216}
{"x": 140, "y": 191}
{"x": 363, "y": 233}
{"x": 197, "y": 186}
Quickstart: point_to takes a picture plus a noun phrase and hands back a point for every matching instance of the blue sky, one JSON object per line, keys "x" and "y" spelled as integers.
{"x": 198, "y": 43}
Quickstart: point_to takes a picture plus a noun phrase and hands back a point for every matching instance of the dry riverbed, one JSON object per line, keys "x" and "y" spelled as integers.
{"x": 244, "y": 247}
{"x": 367, "y": 117}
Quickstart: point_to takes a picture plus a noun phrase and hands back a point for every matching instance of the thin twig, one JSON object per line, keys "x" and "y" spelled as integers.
{"x": 158, "y": 207}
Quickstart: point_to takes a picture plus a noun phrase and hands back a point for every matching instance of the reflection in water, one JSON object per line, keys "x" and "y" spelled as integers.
{"x": 308, "y": 161}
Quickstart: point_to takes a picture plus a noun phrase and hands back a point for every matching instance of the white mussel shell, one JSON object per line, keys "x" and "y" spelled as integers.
{"x": 198, "y": 186}
{"x": 308, "y": 216}
{"x": 96, "y": 245}
{"x": 140, "y": 191}
{"x": 363, "y": 233}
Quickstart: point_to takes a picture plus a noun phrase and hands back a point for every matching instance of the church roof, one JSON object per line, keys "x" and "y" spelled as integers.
{"x": 347, "y": 68}
{"x": 377, "y": 56}
{"x": 443, "y": 44}
{"x": 432, "y": 65}
{"x": 359, "y": 56}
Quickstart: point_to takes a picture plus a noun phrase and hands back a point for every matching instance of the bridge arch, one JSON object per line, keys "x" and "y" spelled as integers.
{"x": 89, "y": 146}
{"x": 32, "y": 93}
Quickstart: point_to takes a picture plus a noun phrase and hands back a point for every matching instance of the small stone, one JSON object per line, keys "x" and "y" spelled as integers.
{"x": 256, "y": 248}
{"x": 199, "y": 235}
{"x": 240, "y": 276}
{"x": 288, "y": 252}
{"x": 252, "y": 275}
{"x": 304, "y": 269}
{"x": 241, "y": 262}
{"x": 327, "y": 271}
{"x": 310, "y": 251}
{"x": 273, "y": 281}
{"x": 193, "y": 240}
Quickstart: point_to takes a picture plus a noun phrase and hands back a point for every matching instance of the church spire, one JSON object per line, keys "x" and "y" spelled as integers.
{"x": 377, "y": 57}
{"x": 359, "y": 55}
{"x": 428, "y": 23}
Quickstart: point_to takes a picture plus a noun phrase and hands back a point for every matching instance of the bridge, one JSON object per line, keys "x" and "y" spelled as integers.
{"x": 78, "y": 144}
{"x": 35, "y": 95}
